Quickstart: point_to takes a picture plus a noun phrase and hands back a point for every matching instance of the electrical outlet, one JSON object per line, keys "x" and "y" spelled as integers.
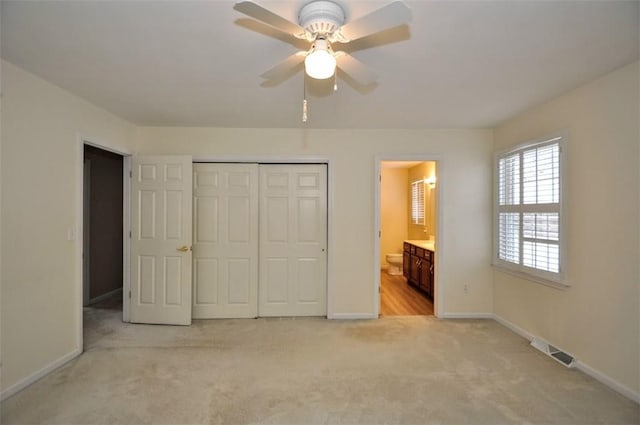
{"x": 465, "y": 288}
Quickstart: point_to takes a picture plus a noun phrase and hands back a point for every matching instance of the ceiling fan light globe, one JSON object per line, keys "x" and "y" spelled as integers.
{"x": 320, "y": 64}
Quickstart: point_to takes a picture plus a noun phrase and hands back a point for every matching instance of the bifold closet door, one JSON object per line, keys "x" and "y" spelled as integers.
{"x": 293, "y": 240}
{"x": 225, "y": 249}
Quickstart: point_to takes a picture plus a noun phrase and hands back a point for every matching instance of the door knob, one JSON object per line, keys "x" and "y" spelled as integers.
{"x": 184, "y": 248}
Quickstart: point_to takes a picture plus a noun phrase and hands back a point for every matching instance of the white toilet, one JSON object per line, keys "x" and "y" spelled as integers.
{"x": 395, "y": 264}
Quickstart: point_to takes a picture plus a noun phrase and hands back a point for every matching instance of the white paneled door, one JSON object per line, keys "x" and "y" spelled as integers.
{"x": 293, "y": 240}
{"x": 161, "y": 240}
{"x": 225, "y": 248}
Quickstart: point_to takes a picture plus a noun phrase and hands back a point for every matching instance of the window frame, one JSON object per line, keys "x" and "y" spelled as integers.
{"x": 557, "y": 280}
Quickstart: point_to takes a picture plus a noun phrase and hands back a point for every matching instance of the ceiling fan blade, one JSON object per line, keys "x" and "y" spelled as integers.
{"x": 284, "y": 68}
{"x": 389, "y": 16}
{"x": 255, "y": 11}
{"x": 355, "y": 69}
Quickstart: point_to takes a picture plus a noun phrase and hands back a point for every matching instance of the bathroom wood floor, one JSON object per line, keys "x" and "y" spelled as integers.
{"x": 398, "y": 298}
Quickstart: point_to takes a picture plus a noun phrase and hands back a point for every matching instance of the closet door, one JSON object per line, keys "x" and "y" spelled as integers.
{"x": 293, "y": 240}
{"x": 161, "y": 240}
{"x": 225, "y": 249}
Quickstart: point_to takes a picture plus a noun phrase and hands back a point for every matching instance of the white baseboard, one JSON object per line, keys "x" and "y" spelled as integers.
{"x": 583, "y": 367}
{"x": 609, "y": 382}
{"x": 25, "y": 382}
{"x": 352, "y": 316}
{"x": 104, "y": 296}
{"x": 515, "y": 328}
{"x": 466, "y": 316}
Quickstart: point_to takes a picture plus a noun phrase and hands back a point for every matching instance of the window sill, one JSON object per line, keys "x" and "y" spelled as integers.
{"x": 532, "y": 278}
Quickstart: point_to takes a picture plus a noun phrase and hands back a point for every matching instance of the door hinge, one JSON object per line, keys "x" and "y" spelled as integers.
{"x": 379, "y": 233}
{"x": 130, "y": 174}
{"x": 129, "y": 234}
{"x": 129, "y": 294}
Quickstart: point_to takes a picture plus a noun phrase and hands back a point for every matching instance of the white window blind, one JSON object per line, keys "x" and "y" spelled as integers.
{"x": 528, "y": 210}
{"x": 417, "y": 202}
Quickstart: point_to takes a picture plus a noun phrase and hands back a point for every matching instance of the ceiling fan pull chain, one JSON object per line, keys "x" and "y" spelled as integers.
{"x": 304, "y": 111}
{"x": 304, "y": 99}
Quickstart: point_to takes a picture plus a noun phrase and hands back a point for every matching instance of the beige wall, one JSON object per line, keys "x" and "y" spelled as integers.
{"x": 598, "y": 318}
{"x": 40, "y": 154}
{"x": 465, "y": 178}
{"x": 428, "y": 230}
{"x": 393, "y": 211}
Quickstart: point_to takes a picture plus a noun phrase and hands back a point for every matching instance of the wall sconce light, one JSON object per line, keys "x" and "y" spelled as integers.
{"x": 431, "y": 181}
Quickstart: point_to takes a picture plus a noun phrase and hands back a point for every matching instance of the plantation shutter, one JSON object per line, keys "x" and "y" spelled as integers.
{"x": 528, "y": 208}
{"x": 417, "y": 202}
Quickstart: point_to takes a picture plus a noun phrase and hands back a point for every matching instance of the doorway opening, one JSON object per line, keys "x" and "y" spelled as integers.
{"x": 408, "y": 224}
{"x": 102, "y": 239}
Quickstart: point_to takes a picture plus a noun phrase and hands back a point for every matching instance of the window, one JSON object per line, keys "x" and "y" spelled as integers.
{"x": 528, "y": 227}
{"x": 417, "y": 202}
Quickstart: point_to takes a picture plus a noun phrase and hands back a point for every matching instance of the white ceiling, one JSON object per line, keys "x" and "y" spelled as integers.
{"x": 198, "y": 63}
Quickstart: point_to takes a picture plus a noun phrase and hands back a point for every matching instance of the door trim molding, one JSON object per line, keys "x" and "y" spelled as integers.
{"x": 296, "y": 159}
{"x": 126, "y": 239}
{"x": 81, "y": 141}
{"x": 440, "y": 274}
{"x": 86, "y": 214}
{"x": 264, "y": 159}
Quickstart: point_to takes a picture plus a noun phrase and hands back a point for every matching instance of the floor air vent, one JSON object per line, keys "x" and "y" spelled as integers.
{"x": 553, "y": 352}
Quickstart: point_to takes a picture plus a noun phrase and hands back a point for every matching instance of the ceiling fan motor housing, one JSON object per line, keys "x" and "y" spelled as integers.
{"x": 321, "y": 17}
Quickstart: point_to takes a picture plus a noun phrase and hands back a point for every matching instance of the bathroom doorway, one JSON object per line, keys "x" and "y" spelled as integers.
{"x": 407, "y": 222}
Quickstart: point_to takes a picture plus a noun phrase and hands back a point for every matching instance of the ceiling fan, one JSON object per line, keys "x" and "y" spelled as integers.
{"x": 322, "y": 23}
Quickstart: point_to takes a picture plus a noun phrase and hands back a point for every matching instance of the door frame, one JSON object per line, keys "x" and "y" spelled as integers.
{"x": 439, "y": 279}
{"x": 79, "y": 230}
{"x": 295, "y": 159}
{"x": 86, "y": 228}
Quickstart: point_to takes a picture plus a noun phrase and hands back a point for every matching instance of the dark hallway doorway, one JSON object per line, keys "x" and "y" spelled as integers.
{"x": 103, "y": 227}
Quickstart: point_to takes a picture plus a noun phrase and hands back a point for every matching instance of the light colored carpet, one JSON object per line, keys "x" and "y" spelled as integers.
{"x": 404, "y": 370}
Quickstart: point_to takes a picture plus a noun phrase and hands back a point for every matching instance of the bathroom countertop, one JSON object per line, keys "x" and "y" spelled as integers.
{"x": 423, "y": 243}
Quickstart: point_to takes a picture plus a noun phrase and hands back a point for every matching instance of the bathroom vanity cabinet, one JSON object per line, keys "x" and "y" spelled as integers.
{"x": 417, "y": 267}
